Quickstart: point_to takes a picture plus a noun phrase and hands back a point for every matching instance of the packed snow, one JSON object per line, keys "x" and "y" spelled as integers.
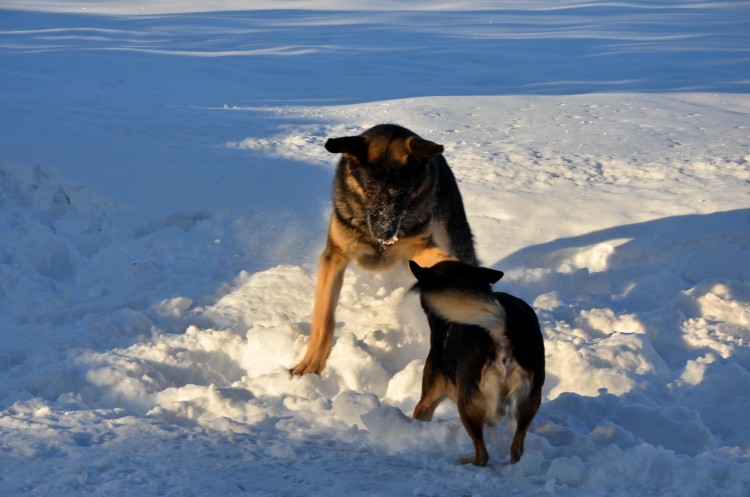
{"x": 164, "y": 196}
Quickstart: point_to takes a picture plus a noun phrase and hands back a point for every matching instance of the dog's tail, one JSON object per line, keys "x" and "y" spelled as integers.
{"x": 468, "y": 305}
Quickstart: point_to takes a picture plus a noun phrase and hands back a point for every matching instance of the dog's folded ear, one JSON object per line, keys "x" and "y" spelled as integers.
{"x": 352, "y": 145}
{"x": 425, "y": 149}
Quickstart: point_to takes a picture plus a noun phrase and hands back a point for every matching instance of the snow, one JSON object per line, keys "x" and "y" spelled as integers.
{"x": 164, "y": 194}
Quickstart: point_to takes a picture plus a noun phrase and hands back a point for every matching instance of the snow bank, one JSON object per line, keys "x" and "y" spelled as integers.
{"x": 645, "y": 336}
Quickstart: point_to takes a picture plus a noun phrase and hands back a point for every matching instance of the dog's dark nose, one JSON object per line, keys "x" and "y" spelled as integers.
{"x": 384, "y": 224}
{"x": 386, "y": 237}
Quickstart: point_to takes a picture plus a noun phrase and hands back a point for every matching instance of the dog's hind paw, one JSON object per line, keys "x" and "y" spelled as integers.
{"x": 515, "y": 455}
{"x": 473, "y": 459}
{"x": 422, "y": 413}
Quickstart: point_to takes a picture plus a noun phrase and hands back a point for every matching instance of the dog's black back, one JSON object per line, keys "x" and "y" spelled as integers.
{"x": 449, "y": 211}
{"x": 459, "y": 349}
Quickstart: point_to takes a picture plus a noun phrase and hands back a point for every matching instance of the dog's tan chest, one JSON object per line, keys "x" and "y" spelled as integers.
{"x": 376, "y": 260}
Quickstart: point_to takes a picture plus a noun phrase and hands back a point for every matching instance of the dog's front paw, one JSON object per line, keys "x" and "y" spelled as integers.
{"x": 306, "y": 367}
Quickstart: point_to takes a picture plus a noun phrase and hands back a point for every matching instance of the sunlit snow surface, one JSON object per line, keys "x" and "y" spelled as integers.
{"x": 164, "y": 196}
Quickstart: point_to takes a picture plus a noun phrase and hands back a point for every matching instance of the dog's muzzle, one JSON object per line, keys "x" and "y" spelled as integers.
{"x": 384, "y": 230}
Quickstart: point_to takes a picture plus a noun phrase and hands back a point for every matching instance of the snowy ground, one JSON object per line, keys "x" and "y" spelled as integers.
{"x": 164, "y": 195}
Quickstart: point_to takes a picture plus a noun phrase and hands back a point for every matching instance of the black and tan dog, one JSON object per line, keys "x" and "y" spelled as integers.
{"x": 394, "y": 199}
{"x": 486, "y": 352}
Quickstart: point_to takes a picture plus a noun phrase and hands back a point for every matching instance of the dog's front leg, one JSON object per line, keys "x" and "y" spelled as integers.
{"x": 472, "y": 410}
{"x": 430, "y": 255}
{"x": 328, "y": 287}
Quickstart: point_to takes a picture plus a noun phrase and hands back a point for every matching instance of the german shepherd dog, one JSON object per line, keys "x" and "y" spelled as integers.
{"x": 394, "y": 199}
{"x": 486, "y": 352}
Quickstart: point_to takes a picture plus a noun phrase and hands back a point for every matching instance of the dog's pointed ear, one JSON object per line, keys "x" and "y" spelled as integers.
{"x": 352, "y": 145}
{"x": 492, "y": 275}
{"x": 479, "y": 275}
{"x": 416, "y": 269}
{"x": 425, "y": 149}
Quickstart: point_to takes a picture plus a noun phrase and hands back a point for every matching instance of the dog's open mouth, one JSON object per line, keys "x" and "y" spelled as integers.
{"x": 390, "y": 241}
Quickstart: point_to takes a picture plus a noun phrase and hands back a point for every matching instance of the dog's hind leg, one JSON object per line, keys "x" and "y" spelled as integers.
{"x": 473, "y": 415}
{"x": 524, "y": 413}
{"x": 434, "y": 391}
{"x": 328, "y": 287}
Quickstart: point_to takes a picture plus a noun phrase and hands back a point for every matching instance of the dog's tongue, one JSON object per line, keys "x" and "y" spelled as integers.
{"x": 390, "y": 241}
